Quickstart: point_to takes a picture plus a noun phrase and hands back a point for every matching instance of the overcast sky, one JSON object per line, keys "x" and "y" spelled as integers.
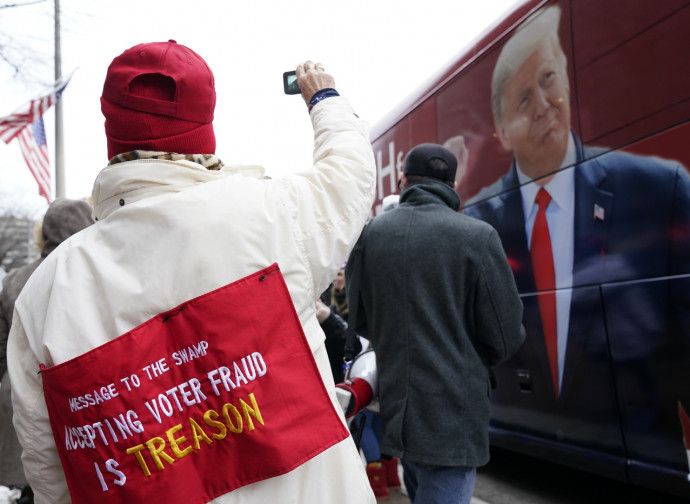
{"x": 379, "y": 51}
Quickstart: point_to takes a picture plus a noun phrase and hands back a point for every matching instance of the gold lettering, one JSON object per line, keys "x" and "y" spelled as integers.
{"x": 157, "y": 452}
{"x": 137, "y": 453}
{"x": 222, "y": 431}
{"x": 233, "y": 422}
{"x": 228, "y": 421}
{"x": 198, "y": 433}
{"x": 253, "y": 411}
{"x": 175, "y": 443}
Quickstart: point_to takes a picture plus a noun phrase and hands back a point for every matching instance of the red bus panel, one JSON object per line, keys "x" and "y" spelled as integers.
{"x": 618, "y": 169}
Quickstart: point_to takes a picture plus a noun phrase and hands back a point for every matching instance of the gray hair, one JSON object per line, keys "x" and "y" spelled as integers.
{"x": 540, "y": 25}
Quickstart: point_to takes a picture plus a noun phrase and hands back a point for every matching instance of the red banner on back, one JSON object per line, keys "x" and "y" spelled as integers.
{"x": 220, "y": 392}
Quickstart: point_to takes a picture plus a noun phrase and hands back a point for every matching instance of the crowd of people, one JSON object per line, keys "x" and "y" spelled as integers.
{"x": 332, "y": 313}
{"x": 245, "y": 290}
{"x": 181, "y": 251}
{"x": 62, "y": 219}
{"x": 173, "y": 227}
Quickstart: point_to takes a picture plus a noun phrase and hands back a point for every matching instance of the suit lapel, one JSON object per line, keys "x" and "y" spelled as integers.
{"x": 593, "y": 207}
{"x": 511, "y": 227}
{"x": 593, "y": 213}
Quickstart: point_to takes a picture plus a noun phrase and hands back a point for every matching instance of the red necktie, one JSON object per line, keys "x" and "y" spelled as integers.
{"x": 545, "y": 279}
{"x": 685, "y": 423}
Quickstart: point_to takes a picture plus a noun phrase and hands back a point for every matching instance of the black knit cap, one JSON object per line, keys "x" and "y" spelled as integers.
{"x": 417, "y": 162}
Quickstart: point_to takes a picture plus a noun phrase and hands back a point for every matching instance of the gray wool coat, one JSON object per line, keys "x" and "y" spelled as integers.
{"x": 439, "y": 303}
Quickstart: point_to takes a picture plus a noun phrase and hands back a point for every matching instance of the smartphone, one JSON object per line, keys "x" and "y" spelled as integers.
{"x": 290, "y": 83}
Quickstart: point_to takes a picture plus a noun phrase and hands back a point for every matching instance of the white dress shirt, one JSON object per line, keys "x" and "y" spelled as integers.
{"x": 560, "y": 217}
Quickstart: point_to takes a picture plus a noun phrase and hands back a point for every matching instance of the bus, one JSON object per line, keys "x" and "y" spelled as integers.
{"x": 590, "y": 101}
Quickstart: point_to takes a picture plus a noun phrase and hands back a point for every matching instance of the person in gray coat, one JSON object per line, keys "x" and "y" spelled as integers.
{"x": 63, "y": 218}
{"x": 438, "y": 301}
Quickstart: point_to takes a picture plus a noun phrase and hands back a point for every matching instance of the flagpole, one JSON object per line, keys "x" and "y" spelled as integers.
{"x": 59, "y": 153}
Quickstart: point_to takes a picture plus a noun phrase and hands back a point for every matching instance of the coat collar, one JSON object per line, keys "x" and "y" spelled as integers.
{"x": 430, "y": 191}
{"x": 124, "y": 183}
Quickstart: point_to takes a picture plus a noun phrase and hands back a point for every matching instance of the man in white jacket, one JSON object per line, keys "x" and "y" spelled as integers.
{"x": 244, "y": 406}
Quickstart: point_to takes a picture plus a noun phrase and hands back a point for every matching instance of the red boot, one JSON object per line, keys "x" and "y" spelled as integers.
{"x": 391, "y": 467}
{"x": 377, "y": 479}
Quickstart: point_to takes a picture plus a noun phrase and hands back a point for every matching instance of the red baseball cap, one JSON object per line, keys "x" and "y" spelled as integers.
{"x": 159, "y": 96}
{"x": 195, "y": 93}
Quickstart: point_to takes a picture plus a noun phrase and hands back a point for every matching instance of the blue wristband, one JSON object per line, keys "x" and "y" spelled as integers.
{"x": 321, "y": 95}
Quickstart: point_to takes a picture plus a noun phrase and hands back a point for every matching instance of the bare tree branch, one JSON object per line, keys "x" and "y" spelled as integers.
{"x": 16, "y": 68}
{"x": 8, "y": 6}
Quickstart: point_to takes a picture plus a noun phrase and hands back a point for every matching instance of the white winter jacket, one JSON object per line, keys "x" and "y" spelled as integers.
{"x": 169, "y": 231}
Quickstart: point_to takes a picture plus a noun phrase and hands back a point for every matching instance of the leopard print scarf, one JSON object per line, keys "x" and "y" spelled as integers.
{"x": 208, "y": 161}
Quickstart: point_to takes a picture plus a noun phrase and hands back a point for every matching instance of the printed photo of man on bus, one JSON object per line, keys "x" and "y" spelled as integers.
{"x": 599, "y": 242}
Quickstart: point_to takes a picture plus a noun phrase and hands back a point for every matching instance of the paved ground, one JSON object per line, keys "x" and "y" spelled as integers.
{"x": 398, "y": 497}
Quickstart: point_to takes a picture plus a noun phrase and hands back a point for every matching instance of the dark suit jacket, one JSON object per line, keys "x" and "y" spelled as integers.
{"x": 627, "y": 355}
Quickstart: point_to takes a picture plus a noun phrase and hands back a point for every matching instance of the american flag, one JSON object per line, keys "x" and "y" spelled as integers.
{"x": 32, "y": 142}
{"x": 27, "y": 123}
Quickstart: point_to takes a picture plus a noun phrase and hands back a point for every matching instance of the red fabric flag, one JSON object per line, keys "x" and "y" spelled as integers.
{"x": 26, "y": 123}
{"x": 13, "y": 124}
{"x": 217, "y": 393}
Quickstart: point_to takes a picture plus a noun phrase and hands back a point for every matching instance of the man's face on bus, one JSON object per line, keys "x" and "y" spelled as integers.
{"x": 536, "y": 112}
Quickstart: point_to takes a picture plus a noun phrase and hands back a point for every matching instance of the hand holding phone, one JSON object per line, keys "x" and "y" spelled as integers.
{"x": 307, "y": 79}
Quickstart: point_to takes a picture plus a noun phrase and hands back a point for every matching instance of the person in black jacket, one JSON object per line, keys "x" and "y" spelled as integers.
{"x": 334, "y": 328}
